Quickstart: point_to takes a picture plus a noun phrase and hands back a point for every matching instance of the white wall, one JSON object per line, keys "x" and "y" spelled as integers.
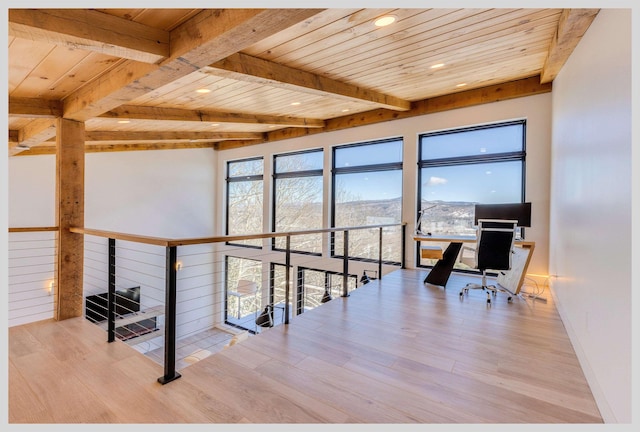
{"x": 590, "y": 228}
{"x": 535, "y": 109}
{"x": 32, "y": 191}
{"x": 166, "y": 193}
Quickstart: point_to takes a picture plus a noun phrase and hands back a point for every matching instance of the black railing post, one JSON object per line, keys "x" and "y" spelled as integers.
{"x": 404, "y": 245}
{"x": 287, "y": 279}
{"x": 380, "y": 254}
{"x": 345, "y": 266}
{"x": 170, "y": 373}
{"x": 111, "y": 293}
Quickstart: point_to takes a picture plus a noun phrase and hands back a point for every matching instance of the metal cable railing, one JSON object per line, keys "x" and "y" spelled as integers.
{"x": 166, "y": 297}
{"x": 32, "y": 274}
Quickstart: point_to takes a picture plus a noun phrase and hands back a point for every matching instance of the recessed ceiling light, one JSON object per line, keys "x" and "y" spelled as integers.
{"x": 384, "y": 21}
{"x": 295, "y": 103}
{"x": 123, "y": 121}
{"x": 438, "y": 65}
{"x": 461, "y": 85}
{"x": 215, "y": 124}
{"x": 345, "y": 110}
{"x": 203, "y": 90}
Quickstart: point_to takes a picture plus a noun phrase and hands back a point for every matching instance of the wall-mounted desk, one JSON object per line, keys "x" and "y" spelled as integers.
{"x": 511, "y": 280}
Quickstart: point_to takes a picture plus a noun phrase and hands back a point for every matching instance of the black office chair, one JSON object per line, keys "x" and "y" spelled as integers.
{"x": 494, "y": 248}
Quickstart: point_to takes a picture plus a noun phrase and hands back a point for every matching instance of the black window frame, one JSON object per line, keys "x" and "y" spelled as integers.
{"x": 236, "y": 179}
{"x": 513, "y": 156}
{"x": 292, "y": 174}
{"x": 391, "y": 166}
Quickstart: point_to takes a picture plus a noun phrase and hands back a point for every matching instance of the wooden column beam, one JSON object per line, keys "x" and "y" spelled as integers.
{"x": 70, "y": 213}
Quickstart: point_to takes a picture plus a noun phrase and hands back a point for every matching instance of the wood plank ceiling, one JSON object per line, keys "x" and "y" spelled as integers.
{"x": 186, "y": 78}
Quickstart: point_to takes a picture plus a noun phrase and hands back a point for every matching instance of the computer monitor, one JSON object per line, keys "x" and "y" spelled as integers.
{"x": 512, "y": 211}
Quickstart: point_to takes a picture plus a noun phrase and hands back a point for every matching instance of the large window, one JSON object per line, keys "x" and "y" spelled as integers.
{"x": 297, "y": 192}
{"x": 244, "y": 199}
{"x": 367, "y": 190}
{"x": 459, "y": 168}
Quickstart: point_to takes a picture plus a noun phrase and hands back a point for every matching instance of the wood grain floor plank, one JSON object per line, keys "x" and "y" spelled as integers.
{"x": 24, "y": 404}
{"x": 396, "y": 351}
{"x": 328, "y": 390}
{"x": 248, "y": 392}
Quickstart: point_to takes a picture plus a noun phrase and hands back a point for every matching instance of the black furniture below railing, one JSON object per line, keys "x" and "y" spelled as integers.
{"x": 439, "y": 274}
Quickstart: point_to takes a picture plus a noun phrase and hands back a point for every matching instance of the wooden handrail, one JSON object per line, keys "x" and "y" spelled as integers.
{"x": 167, "y": 242}
{"x": 122, "y": 236}
{"x": 33, "y": 229}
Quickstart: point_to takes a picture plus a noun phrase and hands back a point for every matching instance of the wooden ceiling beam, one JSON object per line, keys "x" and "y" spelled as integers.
{"x": 91, "y": 30}
{"x": 514, "y": 89}
{"x": 243, "y": 67}
{"x": 106, "y": 147}
{"x": 153, "y": 136}
{"x": 572, "y": 25}
{"x": 14, "y": 151}
{"x": 36, "y": 132}
{"x": 34, "y": 108}
{"x": 215, "y": 34}
{"x": 173, "y": 136}
{"x": 132, "y": 112}
{"x": 206, "y": 38}
{"x": 493, "y": 93}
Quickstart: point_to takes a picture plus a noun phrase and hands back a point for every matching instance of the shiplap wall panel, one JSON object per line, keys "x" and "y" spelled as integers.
{"x": 31, "y": 270}
{"x": 200, "y": 297}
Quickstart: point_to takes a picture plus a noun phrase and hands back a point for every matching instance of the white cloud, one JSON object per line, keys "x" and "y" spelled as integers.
{"x": 435, "y": 181}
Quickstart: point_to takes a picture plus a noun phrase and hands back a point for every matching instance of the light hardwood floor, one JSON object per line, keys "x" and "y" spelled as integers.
{"x": 394, "y": 351}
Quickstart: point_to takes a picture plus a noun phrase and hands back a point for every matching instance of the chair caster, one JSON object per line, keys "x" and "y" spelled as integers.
{"x": 509, "y": 299}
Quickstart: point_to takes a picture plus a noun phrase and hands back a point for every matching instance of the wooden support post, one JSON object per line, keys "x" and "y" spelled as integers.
{"x": 69, "y": 213}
